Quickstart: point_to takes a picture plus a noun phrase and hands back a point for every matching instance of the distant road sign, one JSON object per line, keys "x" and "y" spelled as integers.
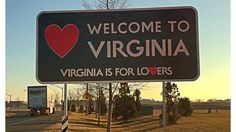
{"x": 86, "y": 95}
{"x": 154, "y": 44}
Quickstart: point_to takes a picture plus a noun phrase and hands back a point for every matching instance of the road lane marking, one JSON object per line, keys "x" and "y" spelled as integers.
{"x": 34, "y": 118}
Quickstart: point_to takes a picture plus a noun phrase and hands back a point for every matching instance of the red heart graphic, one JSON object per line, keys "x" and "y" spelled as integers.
{"x": 61, "y": 41}
{"x": 153, "y": 70}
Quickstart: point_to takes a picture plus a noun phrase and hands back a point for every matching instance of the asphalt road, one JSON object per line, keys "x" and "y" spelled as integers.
{"x": 22, "y": 122}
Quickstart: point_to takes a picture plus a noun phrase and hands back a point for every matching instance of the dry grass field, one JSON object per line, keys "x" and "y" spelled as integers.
{"x": 200, "y": 121}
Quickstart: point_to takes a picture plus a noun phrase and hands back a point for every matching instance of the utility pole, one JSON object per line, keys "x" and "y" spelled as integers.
{"x": 9, "y": 100}
{"x": 9, "y": 97}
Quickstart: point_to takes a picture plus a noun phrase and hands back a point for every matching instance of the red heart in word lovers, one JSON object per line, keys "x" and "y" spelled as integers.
{"x": 153, "y": 70}
{"x": 61, "y": 41}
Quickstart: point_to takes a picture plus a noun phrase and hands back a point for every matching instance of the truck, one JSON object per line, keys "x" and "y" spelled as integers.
{"x": 41, "y": 100}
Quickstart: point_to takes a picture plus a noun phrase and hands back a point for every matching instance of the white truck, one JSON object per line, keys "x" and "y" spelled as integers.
{"x": 41, "y": 100}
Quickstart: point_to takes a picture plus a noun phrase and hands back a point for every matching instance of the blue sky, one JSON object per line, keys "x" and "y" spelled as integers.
{"x": 214, "y": 43}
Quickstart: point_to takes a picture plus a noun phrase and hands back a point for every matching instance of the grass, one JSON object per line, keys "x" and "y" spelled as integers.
{"x": 200, "y": 121}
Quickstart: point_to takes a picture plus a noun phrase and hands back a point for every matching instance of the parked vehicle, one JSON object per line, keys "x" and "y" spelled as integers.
{"x": 41, "y": 100}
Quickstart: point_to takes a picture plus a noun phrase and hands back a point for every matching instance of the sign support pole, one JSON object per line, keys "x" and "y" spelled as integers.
{"x": 99, "y": 105}
{"x": 87, "y": 101}
{"x": 64, "y": 120}
{"x": 109, "y": 109}
{"x": 65, "y": 100}
{"x": 164, "y": 107}
{"x": 62, "y": 100}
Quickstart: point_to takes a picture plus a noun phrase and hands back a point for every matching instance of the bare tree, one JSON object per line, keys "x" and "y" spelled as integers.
{"x": 110, "y": 4}
{"x": 105, "y": 4}
{"x": 71, "y": 94}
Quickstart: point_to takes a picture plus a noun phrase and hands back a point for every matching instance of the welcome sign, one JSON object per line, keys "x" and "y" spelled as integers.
{"x": 153, "y": 44}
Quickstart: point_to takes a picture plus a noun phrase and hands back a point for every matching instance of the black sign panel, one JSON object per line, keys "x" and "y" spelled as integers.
{"x": 155, "y": 44}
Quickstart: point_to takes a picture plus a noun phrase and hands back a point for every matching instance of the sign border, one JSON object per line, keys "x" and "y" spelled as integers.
{"x": 113, "y": 10}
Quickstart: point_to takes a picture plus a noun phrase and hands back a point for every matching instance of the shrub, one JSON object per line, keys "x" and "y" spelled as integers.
{"x": 172, "y": 98}
{"x": 209, "y": 110}
{"x": 126, "y": 105}
{"x": 73, "y": 108}
{"x": 81, "y": 109}
{"x": 185, "y": 107}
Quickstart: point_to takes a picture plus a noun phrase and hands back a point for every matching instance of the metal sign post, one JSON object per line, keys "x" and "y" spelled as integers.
{"x": 62, "y": 95}
{"x": 109, "y": 109}
{"x": 65, "y": 113}
{"x": 164, "y": 107}
{"x": 87, "y": 100}
{"x": 65, "y": 100}
{"x": 99, "y": 105}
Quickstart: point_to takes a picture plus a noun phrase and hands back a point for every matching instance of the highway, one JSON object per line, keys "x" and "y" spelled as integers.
{"x": 22, "y": 121}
